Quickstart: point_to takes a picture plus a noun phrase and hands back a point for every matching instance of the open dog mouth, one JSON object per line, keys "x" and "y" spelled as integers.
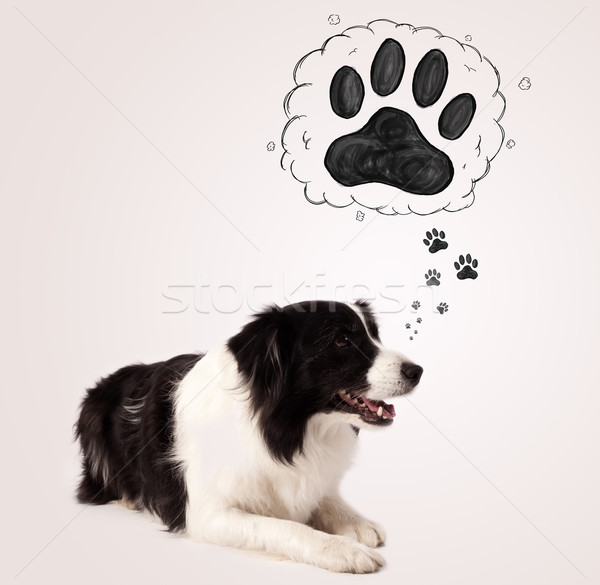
{"x": 371, "y": 411}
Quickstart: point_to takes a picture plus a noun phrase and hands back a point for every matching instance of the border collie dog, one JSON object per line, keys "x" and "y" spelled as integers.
{"x": 246, "y": 445}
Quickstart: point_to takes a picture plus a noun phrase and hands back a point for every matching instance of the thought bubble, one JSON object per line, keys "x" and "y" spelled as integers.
{"x": 395, "y": 118}
{"x": 510, "y": 143}
{"x": 271, "y": 146}
{"x": 334, "y": 19}
{"x": 525, "y": 83}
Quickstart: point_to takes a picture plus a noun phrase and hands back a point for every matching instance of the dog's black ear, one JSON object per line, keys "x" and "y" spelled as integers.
{"x": 262, "y": 350}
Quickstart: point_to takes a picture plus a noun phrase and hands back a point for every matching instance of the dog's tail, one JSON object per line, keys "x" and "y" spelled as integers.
{"x": 93, "y": 430}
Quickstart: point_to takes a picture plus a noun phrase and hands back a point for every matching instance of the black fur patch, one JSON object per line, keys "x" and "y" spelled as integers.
{"x": 294, "y": 367}
{"x": 126, "y": 431}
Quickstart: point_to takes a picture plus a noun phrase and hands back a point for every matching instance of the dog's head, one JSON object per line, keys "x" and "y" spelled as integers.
{"x": 318, "y": 357}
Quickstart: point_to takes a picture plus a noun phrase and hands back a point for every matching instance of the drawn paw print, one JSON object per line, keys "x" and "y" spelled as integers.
{"x": 416, "y": 305}
{"x": 395, "y": 119}
{"x": 390, "y": 148}
{"x": 443, "y": 308}
{"x": 435, "y": 241}
{"x": 433, "y": 277}
{"x": 466, "y": 267}
{"x": 408, "y": 325}
{"x": 419, "y": 320}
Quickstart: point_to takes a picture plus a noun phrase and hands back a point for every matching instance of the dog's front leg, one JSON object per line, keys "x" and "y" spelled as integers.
{"x": 295, "y": 541}
{"x": 336, "y": 517}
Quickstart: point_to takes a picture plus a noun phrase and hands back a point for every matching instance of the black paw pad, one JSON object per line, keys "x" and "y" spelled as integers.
{"x": 346, "y": 93}
{"x": 388, "y": 68}
{"x": 389, "y": 149}
{"x": 430, "y": 78}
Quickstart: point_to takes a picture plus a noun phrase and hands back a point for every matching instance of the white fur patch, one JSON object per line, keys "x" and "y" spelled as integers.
{"x": 238, "y": 495}
{"x": 385, "y": 376}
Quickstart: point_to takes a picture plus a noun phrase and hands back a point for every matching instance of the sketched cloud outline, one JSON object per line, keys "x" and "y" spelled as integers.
{"x": 312, "y": 125}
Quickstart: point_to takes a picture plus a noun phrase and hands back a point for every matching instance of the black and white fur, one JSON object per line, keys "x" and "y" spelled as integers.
{"x": 246, "y": 445}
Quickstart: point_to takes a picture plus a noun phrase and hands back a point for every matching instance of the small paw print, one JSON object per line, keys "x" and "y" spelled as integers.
{"x": 408, "y": 326}
{"x": 443, "y": 308}
{"x": 360, "y": 216}
{"x": 416, "y": 331}
{"x": 465, "y": 267}
{"x": 271, "y": 146}
{"x": 416, "y": 305}
{"x": 419, "y": 320}
{"x": 433, "y": 277}
{"x": 411, "y": 337}
{"x": 435, "y": 241}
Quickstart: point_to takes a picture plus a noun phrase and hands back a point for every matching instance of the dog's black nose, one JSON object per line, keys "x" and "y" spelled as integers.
{"x": 412, "y": 372}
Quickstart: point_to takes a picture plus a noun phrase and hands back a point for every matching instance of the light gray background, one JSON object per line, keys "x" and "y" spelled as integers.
{"x": 120, "y": 119}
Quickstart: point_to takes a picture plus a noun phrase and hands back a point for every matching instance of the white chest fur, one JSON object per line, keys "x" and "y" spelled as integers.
{"x": 225, "y": 460}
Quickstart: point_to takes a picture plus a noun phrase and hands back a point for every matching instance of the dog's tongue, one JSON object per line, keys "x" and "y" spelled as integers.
{"x": 374, "y": 406}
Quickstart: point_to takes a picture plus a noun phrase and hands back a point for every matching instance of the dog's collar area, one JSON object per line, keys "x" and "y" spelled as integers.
{"x": 371, "y": 411}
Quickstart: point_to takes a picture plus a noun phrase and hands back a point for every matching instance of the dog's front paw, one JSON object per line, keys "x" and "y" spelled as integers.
{"x": 365, "y": 531}
{"x": 342, "y": 555}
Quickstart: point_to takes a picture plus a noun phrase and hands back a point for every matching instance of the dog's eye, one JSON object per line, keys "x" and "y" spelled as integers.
{"x": 343, "y": 341}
